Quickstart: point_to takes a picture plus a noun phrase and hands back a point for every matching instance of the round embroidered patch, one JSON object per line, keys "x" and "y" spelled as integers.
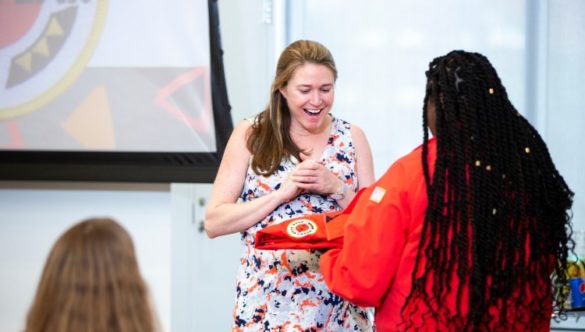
{"x": 301, "y": 228}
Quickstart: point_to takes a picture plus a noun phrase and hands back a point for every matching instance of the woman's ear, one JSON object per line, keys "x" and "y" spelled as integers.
{"x": 283, "y": 92}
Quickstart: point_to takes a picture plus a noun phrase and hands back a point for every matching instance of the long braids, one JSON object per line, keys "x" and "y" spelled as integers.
{"x": 498, "y": 209}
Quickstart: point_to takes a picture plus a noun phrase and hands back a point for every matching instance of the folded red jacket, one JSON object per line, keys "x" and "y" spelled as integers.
{"x": 312, "y": 231}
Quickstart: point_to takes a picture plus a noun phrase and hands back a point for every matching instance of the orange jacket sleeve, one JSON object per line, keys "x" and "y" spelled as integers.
{"x": 311, "y": 231}
{"x": 375, "y": 233}
{"x": 314, "y": 231}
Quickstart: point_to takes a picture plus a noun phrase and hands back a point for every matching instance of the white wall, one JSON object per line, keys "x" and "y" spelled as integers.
{"x": 248, "y": 37}
{"x": 563, "y": 96}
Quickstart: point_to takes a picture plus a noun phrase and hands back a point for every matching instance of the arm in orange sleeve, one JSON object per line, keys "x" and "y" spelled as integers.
{"x": 375, "y": 234}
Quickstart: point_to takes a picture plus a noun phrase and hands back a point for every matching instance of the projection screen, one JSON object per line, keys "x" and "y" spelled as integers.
{"x": 101, "y": 90}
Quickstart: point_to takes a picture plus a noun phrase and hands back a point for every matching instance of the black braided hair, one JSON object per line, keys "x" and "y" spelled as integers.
{"x": 498, "y": 215}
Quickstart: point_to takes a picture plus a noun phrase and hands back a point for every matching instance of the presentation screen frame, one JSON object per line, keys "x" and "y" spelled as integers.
{"x": 165, "y": 167}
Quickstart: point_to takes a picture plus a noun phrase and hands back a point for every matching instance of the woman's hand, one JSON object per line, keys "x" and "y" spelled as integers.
{"x": 289, "y": 189}
{"x": 312, "y": 176}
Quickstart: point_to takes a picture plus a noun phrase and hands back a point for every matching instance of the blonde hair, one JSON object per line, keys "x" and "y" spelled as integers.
{"x": 91, "y": 282}
{"x": 269, "y": 140}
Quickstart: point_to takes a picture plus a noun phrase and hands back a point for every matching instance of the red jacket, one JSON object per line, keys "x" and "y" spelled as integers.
{"x": 375, "y": 265}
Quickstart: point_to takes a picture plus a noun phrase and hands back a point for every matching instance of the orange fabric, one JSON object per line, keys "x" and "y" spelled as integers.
{"x": 382, "y": 234}
{"x": 313, "y": 231}
{"x": 306, "y": 232}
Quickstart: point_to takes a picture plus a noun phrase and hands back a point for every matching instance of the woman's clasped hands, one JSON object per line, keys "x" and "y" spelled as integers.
{"x": 310, "y": 176}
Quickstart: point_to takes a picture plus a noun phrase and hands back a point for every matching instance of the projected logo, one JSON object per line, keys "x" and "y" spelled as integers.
{"x": 44, "y": 46}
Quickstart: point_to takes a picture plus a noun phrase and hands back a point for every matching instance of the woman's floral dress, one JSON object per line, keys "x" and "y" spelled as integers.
{"x": 283, "y": 290}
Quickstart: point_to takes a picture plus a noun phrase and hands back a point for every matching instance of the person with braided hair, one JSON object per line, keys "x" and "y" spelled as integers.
{"x": 293, "y": 158}
{"x": 464, "y": 232}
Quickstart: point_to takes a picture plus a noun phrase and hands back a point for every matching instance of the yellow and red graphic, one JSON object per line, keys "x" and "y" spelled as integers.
{"x": 44, "y": 47}
{"x": 301, "y": 228}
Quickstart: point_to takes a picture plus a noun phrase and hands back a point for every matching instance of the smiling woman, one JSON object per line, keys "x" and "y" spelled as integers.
{"x": 291, "y": 160}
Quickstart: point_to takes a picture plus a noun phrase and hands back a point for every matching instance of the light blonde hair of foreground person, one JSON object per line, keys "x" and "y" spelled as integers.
{"x": 92, "y": 283}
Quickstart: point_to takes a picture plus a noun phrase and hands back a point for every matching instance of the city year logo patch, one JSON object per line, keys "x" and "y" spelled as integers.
{"x": 301, "y": 228}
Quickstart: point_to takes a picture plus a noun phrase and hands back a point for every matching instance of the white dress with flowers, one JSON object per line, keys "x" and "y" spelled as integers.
{"x": 283, "y": 290}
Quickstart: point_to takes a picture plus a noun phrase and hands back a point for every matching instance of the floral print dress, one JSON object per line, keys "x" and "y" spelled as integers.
{"x": 283, "y": 290}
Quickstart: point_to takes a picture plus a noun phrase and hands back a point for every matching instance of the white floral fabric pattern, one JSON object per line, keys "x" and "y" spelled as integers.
{"x": 283, "y": 290}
